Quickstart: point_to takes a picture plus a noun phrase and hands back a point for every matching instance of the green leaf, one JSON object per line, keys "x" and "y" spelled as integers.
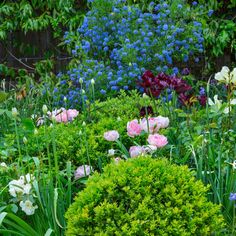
{"x": 2, "y": 216}
{"x": 28, "y": 124}
{"x": 3, "y": 96}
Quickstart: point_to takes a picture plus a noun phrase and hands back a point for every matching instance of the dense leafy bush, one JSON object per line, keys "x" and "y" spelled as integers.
{"x": 143, "y": 197}
{"x": 116, "y": 43}
{"x": 83, "y": 143}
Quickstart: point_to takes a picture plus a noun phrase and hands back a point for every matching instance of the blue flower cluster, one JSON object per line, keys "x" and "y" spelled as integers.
{"x": 119, "y": 44}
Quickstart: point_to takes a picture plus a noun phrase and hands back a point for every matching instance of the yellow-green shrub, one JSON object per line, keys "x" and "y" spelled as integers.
{"x": 143, "y": 196}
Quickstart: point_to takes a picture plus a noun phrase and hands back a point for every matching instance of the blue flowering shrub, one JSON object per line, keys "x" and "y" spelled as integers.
{"x": 117, "y": 42}
{"x": 142, "y": 196}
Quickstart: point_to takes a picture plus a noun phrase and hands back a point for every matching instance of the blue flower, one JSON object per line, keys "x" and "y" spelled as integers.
{"x": 165, "y": 27}
{"x": 102, "y": 91}
{"x": 210, "y": 12}
{"x": 232, "y": 197}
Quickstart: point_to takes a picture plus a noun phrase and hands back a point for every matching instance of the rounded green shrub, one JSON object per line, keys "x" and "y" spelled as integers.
{"x": 143, "y": 196}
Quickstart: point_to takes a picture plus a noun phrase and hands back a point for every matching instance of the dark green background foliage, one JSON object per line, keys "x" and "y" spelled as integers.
{"x": 143, "y": 196}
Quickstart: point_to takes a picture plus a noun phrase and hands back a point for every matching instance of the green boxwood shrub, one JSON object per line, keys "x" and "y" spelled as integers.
{"x": 143, "y": 196}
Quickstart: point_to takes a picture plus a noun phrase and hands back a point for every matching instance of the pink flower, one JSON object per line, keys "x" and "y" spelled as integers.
{"x": 82, "y": 171}
{"x": 66, "y": 115}
{"x": 133, "y": 128}
{"x": 151, "y": 124}
{"x": 163, "y": 122}
{"x": 157, "y": 140}
{"x": 136, "y": 151}
{"x": 112, "y": 135}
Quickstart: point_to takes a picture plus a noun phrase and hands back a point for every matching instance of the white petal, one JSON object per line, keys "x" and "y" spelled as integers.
{"x": 233, "y": 76}
{"x": 233, "y": 101}
{"x": 226, "y": 110}
{"x": 210, "y": 102}
{"x": 219, "y": 77}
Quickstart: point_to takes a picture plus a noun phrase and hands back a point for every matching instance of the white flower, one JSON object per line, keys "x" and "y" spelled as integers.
{"x": 27, "y": 188}
{"x": 82, "y": 171}
{"x": 3, "y": 165}
{"x": 233, "y": 76}
{"x": 145, "y": 96}
{"x": 225, "y": 76}
{"x": 216, "y": 105}
{"x": 111, "y": 152}
{"x": 234, "y": 165}
{"x": 27, "y": 207}
{"x": 92, "y": 81}
{"x": 27, "y": 178}
{"x": 16, "y": 187}
{"x": 14, "y": 112}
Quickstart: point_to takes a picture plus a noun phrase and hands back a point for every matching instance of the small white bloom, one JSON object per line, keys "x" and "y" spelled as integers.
{"x": 29, "y": 177}
{"x": 223, "y": 75}
{"x": 33, "y": 116}
{"x": 233, "y": 76}
{"x": 14, "y": 112}
{"x": 27, "y": 207}
{"x": 27, "y": 188}
{"x": 92, "y": 81}
{"x": 53, "y": 118}
{"x": 3, "y": 164}
{"x": 145, "y": 96}
{"x": 83, "y": 171}
{"x": 64, "y": 99}
{"x": 111, "y": 152}
{"x": 40, "y": 121}
{"x": 233, "y": 101}
{"x": 83, "y": 91}
{"x": 16, "y": 187}
{"x": 234, "y": 165}
{"x": 216, "y": 105}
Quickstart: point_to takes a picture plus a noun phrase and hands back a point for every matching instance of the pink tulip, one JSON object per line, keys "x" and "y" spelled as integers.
{"x": 163, "y": 122}
{"x": 82, "y": 171}
{"x": 133, "y": 128}
{"x": 112, "y": 135}
{"x": 136, "y": 151}
{"x": 150, "y": 125}
{"x": 157, "y": 140}
{"x": 66, "y": 115}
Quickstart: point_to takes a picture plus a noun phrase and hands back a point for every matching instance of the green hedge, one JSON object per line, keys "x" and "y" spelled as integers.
{"x": 143, "y": 196}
